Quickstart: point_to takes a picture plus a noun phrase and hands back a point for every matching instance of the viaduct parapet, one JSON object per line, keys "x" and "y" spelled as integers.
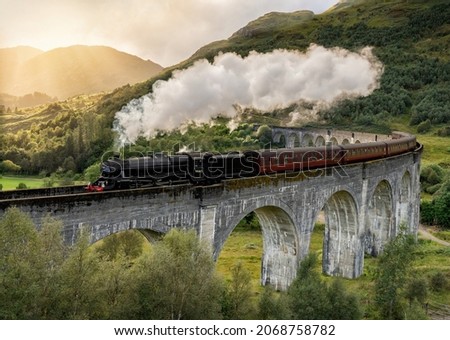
{"x": 299, "y": 137}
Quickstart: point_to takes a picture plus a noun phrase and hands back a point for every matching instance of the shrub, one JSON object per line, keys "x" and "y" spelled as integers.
{"x": 424, "y": 126}
{"x": 432, "y": 174}
{"x": 417, "y": 289}
{"x": 21, "y": 186}
{"x": 433, "y": 188}
{"x": 49, "y": 182}
{"x": 427, "y": 212}
{"x": 264, "y": 134}
{"x": 444, "y": 132}
{"x": 66, "y": 181}
{"x": 9, "y": 166}
{"x": 438, "y": 282}
{"x": 442, "y": 210}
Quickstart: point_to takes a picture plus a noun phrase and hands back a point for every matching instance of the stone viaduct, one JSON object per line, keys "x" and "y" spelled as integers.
{"x": 364, "y": 205}
{"x": 298, "y": 137}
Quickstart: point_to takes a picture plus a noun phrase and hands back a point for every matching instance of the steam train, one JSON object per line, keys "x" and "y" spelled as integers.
{"x": 209, "y": 168}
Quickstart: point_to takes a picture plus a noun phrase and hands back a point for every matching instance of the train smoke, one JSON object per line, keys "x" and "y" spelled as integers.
{"x": 261, "y": 81}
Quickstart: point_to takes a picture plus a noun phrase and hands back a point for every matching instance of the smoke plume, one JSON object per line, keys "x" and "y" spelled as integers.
{"x": 261, "y": 81}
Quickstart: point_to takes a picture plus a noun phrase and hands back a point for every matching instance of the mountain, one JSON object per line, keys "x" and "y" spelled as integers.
{"x": 10, "y": 61}
{"x": 16, "y": 55}
{"x": 69, "y": 71}
{"x": 270, "y": 21}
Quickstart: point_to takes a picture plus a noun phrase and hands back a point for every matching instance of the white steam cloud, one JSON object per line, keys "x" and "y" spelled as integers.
{"x": 261, "y": 81}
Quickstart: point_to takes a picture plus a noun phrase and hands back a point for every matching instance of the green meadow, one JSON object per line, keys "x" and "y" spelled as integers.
{"x": 11, "y": 182}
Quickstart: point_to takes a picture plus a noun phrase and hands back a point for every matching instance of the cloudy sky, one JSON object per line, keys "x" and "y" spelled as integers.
{"x": 165, "y": 31}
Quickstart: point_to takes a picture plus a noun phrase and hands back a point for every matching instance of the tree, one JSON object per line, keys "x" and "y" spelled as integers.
{"x": 271, "y": 307}
{"x": 18, "y": 266}
{"x": 8, "y": 166}
{"x": 178, "y": 280}
{"x": 51, "y": 256}
{"x": 427, "y": 212}
{"x": 250, "y": 221}
{"x": 312, "y": 299}
{"x": 442, "y": 210}
{"x": 69, "y": 164}
{"x": 264, "y": 135}
{"x": 92, "y": 172}
{"x": 236, "y": 303}
{"x": 128, "y": 244}
{"x": 343, "y": 305}
{"x": 116, "y": 279}
{"x": 79, "y": 298}
{"x": 308, "y": 293}
{"x": 392, "y": 273}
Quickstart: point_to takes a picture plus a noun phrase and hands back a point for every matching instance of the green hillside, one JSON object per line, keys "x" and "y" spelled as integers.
{"x": 411, "y": 38}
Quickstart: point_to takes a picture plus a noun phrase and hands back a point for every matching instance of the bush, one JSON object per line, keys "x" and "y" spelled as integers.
{"x": 427, "y": 213}
{"x": 21, "y": 186}
{"x": 65, "y": 181}
{"x": 9, "y": 166}
{"x": 273, "y": 307}
{"x": 442, "y": 210}
{"x": 49, "y": 182}
{"x": 311, "y": 298}
{"x": 444, "y": 132}
{"x": 417, "y": 290}
{"x": 438, "y": 282}
{"x": 1, "y": 187}
{"x": 92, "y": 173}
{"x": 424, "y": 126}
{"x": 264, "y": 134}
{"x": 432, "y": 188}
{"x": 431, "y": 175}
{"x": 250, "y": 221}
{"x": 437, "y": 211}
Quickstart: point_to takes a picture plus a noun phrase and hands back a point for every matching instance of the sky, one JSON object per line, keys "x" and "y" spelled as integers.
{"x": 164, "y": 31}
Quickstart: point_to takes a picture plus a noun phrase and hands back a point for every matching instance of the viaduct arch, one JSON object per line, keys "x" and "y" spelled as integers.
{"x": 292, "y": 137}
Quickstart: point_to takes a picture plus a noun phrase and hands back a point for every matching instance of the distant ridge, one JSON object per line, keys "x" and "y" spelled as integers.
{"x": 68, "y": 71}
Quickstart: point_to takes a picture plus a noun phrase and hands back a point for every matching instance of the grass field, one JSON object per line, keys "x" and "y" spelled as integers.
{"x": 11, "y": 182}
{"x": 436, "y": 149}
{"x": 243, "y": 246}
{"x": 32, "y": 182}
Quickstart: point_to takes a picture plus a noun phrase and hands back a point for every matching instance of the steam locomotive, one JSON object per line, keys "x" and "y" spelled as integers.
{"x": 209, "y": 168}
